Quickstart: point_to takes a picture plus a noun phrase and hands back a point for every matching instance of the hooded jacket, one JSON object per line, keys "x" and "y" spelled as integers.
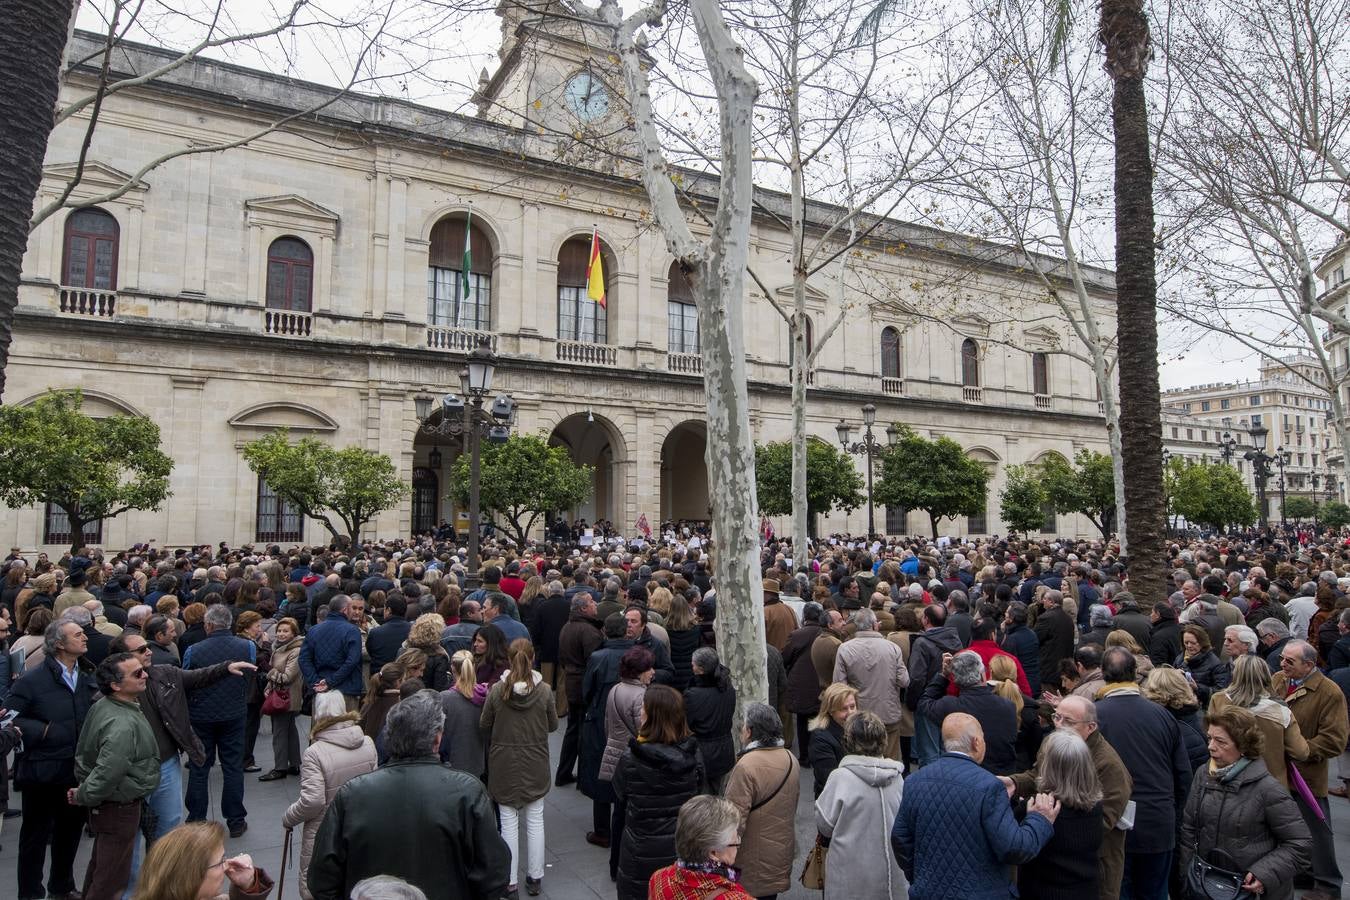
{"x": 337, "y": 753}
{"x": 855, "y": 813}
{"x": 518, "y": 719}
{"x": 925, "y": 658}
{"x": 654, "y": 780}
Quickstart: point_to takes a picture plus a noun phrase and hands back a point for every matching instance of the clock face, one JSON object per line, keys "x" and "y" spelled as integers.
{"x": 587, "y": 97}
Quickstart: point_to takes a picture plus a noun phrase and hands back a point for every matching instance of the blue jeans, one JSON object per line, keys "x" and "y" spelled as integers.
{"x": 227, "y": 739}
{"x": 927, "y": 740}
{"x": 1146, "y": 876}
{"x": 167, "y": 804}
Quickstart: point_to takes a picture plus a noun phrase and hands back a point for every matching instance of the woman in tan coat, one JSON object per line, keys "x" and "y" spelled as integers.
{"x": 285, "y": 675}
{"x": 337, "y": 753}
{"x": 763, "y": 786}
{"x": 1250, "y": 689}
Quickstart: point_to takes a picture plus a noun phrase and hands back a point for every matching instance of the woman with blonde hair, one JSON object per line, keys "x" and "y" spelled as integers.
{"x": 530, "y": 598}
{"x": 838, "y": 701}
{"x": 338, "y": 751}
{"x": 413, "y": 663}
{"x": 1169, "y": 689}
{"x": 518, "y": 716}
{"x": 1122, "y": 638}
{"x": 462, "y": 745}
{"x": 1250, "y": 689}
{"x": 659, "y": 602}
{"x": 426, "y": 636}
{"x": 189, "y": 863}
{"x": 1067, "y": 864}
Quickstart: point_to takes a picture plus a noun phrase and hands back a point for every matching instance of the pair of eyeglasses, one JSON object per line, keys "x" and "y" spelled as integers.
{"x": 139, "y": 673}
{"x": 1060, "y": 719}
{"x": 143, "y": 648}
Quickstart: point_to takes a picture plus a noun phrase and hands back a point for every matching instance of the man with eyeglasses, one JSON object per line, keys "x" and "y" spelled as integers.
{"x": 1079, "y": 715}
{"x": 1319, "y": 708}
{"x": 117, "y": 765}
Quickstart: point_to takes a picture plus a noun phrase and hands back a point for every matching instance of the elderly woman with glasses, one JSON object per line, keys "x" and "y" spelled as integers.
{"x": 706, "y": 844}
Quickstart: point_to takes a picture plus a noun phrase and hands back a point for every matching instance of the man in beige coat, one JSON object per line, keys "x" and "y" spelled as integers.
{"x": 763, "y": 786}
{"x": 876, "y": 667}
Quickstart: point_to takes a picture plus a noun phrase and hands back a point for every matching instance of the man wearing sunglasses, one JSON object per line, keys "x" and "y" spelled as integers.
{"x": 117, "y": 765}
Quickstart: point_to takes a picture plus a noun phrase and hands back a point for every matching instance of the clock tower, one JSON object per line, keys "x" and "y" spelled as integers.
{"x": 558, "y": 75}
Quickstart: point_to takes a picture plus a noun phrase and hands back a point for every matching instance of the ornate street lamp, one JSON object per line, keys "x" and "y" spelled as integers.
{"x": 1227, "y": 447}
{"x": 471, "y": 421}
{"x": 871, "y": 448}
{"x": 1260, "y": 461}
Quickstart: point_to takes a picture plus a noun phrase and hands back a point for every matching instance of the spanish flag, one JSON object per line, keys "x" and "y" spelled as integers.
{"x": 595, "y": 272}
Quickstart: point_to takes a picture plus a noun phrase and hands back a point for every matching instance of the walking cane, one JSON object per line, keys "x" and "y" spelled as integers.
{"x": 285, "y": 855}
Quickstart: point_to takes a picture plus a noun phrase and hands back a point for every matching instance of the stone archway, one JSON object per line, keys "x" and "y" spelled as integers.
{"x": 593, "y": 440}
{"x": 684, "y": 473}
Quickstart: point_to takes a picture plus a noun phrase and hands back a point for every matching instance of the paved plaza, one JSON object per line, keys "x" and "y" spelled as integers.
{"x": 574, "y": 869}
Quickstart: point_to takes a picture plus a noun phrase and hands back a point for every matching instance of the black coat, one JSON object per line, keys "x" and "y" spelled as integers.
{"x": 383, "y": 643}
{"x": 50, "y": 716}
{"x": 1136, "y": 623}
{"x": 1148, "y": 740}
{"x": 825, "y": 750}
{"x": 1056, "y": 632}
{"x": 803, "y": 695}
{"x": 1067, "y": 865}
{"x": 371, "y": 828}
{"x": 997, "y": 716}
{"x": 710, "y": 708}
{"x": 1164, "y": 642}
{"x": 602, "y": 673}
{"x": 1021, "y": 642}
{"x": 1208, "y": 673}
{"x": 1193, "y": 734}
{"x": 550, "y": 617}
{"x": 653, "y": 781}
{"x": 682, "y": 647}
{"x": 98, "y": 643}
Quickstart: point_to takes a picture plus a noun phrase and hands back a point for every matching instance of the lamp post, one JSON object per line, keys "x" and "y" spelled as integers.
{"x": 1281, "y": 460}
{"x": 1316, "y": 477}
{"x": 1261, "y": 461}
{"x": 473, "y": 422}
{"x": 869, "y": 446}
{"x": 1227, "y": 447}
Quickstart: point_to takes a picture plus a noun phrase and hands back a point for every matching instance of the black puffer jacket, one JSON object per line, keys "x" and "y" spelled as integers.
{"x": 1254, "y": 820}
{"x": 50, "y": 716}
{"x": 1192, "y": 735}
{"x": 825, "y": 750}
{"x": 654, "y": 780}
{"x": 710, "y": 707}
{"x": 1209, "y": 673}
{"x": 682, "y": 647}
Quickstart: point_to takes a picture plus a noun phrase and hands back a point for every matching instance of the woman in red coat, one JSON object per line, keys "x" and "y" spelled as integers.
{"x": 705, "y": 839}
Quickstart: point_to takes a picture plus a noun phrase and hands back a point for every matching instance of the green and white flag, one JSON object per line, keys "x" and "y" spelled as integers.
{"x": 464, "y": 291}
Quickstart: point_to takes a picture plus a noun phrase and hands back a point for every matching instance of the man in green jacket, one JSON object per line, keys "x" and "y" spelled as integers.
{"x": 117, "y": 765}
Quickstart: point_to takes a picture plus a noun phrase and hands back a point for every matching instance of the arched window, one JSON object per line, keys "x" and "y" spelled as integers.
{"x": 579, "y": 317}
{"x": 453, "y": 302}
{"x": 90, "y": 251}
{"x": 1040, "y": 374}
{"x": 970, "y": 363}
{"x": 278, "y": 520}
{"x": 290, "y": 276}
{"x": 56, "y": 528}
{"x": 681, "y": 313}
{"x": 425, "y": 488}
{"x": 890, "y": 352}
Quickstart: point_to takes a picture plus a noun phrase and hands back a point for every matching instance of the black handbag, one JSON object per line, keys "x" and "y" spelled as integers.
{"x": 1215, "y": 878}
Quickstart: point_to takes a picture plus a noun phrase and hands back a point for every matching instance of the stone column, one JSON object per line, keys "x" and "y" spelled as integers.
{"x": 196, "y": 236}
{"x": 184, "y": 446}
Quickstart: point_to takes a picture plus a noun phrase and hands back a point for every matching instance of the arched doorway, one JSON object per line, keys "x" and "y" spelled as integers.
{"x": 434, "y": 457}
{"x": 593, "y": 440}
{"x": 684, "y": 473}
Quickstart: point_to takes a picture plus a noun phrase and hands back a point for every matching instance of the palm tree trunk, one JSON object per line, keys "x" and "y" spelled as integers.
{"x": 1125, "y": 37}
{"x": 32, "y": 40}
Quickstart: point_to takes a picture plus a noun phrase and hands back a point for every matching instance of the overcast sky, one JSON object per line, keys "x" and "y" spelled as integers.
{"x": 443, "y": 74}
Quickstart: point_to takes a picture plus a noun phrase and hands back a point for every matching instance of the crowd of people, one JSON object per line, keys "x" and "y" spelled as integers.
{"x": 979, "y": 719}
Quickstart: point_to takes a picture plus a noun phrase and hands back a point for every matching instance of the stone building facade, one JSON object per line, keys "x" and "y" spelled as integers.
{"x": 305, "y": 280}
